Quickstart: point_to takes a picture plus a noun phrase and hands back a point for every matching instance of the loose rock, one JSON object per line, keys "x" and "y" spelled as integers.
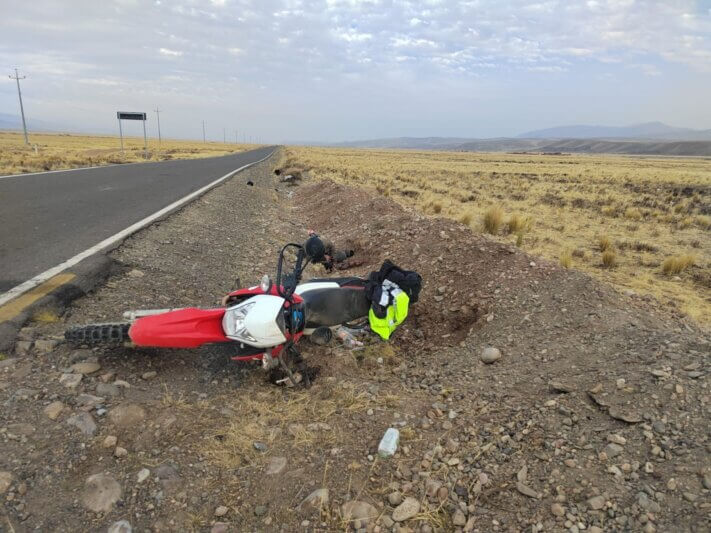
{"x": 122, "y": 526}
{"x": 359, "y": 510}
{"x": 407, "y": 509}
{"x": 315, "y": 501}
{"x": 276, "y": 466}
{"x": 5, "y": 481}
{"x": 53, "y": 410}
{"x": 101, "y": 492}
{"x": 86, "y": 368}
{"x": 84, "y": 422}
{"x": 490, "y": 355}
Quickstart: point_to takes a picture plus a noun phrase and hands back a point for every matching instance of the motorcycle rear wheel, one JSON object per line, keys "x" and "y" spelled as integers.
{"x": 93, "y": 334}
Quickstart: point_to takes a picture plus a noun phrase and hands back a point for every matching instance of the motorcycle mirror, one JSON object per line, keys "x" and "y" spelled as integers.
{"x": 266, "y": 283}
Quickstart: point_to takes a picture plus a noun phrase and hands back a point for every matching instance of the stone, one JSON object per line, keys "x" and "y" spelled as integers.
{"x": 108, "y": 390}
{"x": 142, "y": 475}
{"x": 557, "y": 509}
{"x": 526, "y": 490}
{"x": 89, "y": 401}
{"x": 616, "y": 439}
{"x": 84, "y": 422}
{"x": 596, "y": 503}
{"x": 122, "y": 526}
{"x": 220, "y": 527}
{"x": 260, "y": 446}
{"x": 120, "y": 452}
{"x": 23, "y": 347}
{"x": 559, "y": 386}
{"x": 221, "y": 511}
{"x": 70, "y": 381}
{"x": 490, "y": 355}
{"x": 458, "y": 518}
{"x": 46, "y": 345}
{"x": 127, "y": 416}
{"x": 5, "y": 481}
{"x": 276, "y": 465}
{"x": 431, "y": 487}
{"x": 53, "y": 410}
{"x": 706, "y": 480}
{"x": 407, "y": 509}
{"x": 315, "y": 501}
{"x": 109, "y": 442}
{"x": 359, "y": 510}
{"x": 395, "y": 498}
{"x": 135, "y": 273}
{"x": 149, "y": 375}
{"x": 101, "y": 492}
{"x": 86, "y": 368}
{"x": 613, "y": 450}
{"x": 21, "y": 428}
{"x": 260, "y": 510}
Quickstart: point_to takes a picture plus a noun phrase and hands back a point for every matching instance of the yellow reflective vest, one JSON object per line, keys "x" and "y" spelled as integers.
{"x": 394, "y": 316}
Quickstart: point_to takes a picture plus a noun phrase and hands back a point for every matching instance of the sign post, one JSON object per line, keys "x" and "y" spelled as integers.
{"x": 131, "y": 115}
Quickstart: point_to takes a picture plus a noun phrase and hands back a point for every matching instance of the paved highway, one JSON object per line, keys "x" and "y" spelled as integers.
{"x": 48, "y": 218}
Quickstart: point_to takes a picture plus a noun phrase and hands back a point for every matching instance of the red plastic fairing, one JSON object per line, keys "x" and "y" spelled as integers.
{"x": 185, "y": 328}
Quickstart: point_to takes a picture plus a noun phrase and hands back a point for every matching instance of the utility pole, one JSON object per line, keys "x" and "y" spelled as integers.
{"x": 224, "y": 136}
{"x": 17, "y": 78}
{"x": 158, "y": 115}
{"x": 203, "y": 131}
{"x": 236, "y": 141}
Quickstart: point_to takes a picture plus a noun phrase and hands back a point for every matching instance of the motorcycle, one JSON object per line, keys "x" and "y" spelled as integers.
{"x": 263, "y": 323}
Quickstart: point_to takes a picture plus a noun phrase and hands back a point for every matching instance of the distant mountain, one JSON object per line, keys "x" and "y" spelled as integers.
{"x": 420, "y": 143}
{"x": 648, "y": 130}
{"x": 14, "y": 122}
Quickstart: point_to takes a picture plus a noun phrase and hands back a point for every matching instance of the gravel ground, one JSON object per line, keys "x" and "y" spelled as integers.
{"x": 528, "y": 397}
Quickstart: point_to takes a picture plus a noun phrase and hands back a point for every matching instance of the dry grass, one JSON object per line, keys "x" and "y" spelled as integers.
{"x": 677, "y": 264}
{"x": 572, "y": 198}
{"x": 55, "y": 151}
{"x": 493, "y": 219}
{"x": 518, "y": 224}
{"x": 280, "y": 422}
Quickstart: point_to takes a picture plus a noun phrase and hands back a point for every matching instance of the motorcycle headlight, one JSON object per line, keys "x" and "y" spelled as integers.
{"x": 234, "y": 320}
{"x": 265, "y": 284}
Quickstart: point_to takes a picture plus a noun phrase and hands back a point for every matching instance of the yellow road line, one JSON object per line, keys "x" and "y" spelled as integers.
{"x": 13, "y": 308}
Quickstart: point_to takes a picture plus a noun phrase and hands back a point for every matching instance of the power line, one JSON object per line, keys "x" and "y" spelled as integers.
{"x": 17, "y": 78}
{"x": 158, "y": 115}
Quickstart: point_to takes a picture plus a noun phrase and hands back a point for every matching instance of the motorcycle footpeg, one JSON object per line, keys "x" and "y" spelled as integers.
{"x": 321, "y": 336}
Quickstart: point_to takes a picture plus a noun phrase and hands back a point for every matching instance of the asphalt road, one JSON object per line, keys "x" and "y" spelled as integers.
{"x": 48, "y": 218}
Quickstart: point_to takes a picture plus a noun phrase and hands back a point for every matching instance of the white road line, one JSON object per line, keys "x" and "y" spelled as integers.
{"x": 47, "y": 274}
{"x": 75, "y": 169}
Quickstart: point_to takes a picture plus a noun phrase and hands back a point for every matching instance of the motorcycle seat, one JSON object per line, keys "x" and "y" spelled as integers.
{"x": 350, "y": 281}
{"x": 335, "y": 305}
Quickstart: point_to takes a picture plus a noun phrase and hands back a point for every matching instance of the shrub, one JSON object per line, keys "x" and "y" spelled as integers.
{"x": 604, "y": 242}
{"x": 518, "y": 224}
{"x": 437, "y": 207}
{"x": 703, "y": 221}
{"x": 677, "y": 263}
{"x": 609, "y": 258}
{"x": 519, "y": 239}
{"x": 566, "y": 259}
{"x": 493, "y": 218}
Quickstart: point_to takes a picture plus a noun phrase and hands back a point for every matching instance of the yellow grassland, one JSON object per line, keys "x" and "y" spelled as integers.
{"x": 640, "y": 210}
{"x": 56, "y": 151}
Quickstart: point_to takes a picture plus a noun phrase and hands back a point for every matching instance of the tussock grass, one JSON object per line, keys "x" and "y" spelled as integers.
{"x": 493, "y": 219}
{"x": 466, "y": 219}
{"x": 677, "y": 264}
{"x": 566, "y": 259}
{"x": 518, "y": 224}
{"x": 632, "y": 213}
{"x": 604, "y": 243}
{"x": 47, "y": 316}
{"x": 609, "y": 258}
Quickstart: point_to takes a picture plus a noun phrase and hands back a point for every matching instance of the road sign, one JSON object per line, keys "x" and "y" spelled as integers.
{"x": 133, "y": 115}
{"x": 130, "y": 115}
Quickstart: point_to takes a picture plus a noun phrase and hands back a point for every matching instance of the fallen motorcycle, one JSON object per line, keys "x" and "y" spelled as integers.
{"x": 263, "y": 323}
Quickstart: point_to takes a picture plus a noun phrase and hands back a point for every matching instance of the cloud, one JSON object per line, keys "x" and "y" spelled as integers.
{"x": 170, "y": 53}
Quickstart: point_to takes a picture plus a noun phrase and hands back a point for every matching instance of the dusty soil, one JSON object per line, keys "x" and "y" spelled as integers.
{"x": 594, "y": 418}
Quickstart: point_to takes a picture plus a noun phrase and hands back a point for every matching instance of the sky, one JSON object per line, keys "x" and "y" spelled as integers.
{"x": 336, "y": 70}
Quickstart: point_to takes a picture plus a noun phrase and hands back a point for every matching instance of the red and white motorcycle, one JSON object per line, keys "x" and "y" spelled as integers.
{"x": 263, "y": 323}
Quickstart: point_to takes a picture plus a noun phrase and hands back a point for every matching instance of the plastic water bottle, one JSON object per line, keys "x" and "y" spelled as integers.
{"x": 348, "y": 339}
{"x": 388, "y": 444}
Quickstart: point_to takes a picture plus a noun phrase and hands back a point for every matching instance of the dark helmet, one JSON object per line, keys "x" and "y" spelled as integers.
{"x": 315, "y": 249}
